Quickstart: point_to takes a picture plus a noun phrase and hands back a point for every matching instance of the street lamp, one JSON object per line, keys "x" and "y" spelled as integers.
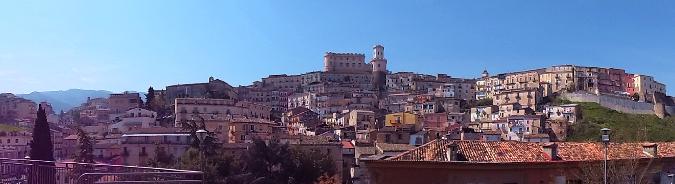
{"x": 605, "y": 142}
{"x": 670, "y": 178}
{"x": 201, "y": 135}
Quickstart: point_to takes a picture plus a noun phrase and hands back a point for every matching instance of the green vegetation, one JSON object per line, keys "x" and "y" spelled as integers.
{"x": 85, "y": 146}
{"x": 271, "y": 162}
{"x": 263, "y": 162}
{"x": 625, "y": 127}
{"x": 10, "y": 128}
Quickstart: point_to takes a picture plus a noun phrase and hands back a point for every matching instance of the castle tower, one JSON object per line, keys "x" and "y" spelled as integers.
{"x": 379, "y": 68}
{"x": 327, "y": 63}
{"x": 485, "y": 74}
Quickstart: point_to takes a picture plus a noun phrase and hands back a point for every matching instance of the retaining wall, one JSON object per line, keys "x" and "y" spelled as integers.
{"x": 616, "y": 103}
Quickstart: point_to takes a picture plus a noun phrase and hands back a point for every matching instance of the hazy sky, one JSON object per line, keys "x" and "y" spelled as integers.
{"x": 130, "y": 45}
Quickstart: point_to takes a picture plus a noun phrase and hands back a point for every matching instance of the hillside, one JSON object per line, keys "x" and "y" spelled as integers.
{"x": 625, "y": 127}
{"x": 65, "y": 100}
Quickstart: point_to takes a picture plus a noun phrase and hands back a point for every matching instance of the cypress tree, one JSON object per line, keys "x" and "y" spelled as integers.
{"x": 150, "y": 99}
{"x": 41, "y": 147}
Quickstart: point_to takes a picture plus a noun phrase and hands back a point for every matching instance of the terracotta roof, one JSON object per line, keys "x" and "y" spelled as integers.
{"x": 305, "y": 140}
{"x": 508, "y": 151}
{"x": 385, "y": 147}
{"x": 666, "y": 149}
{"x": 347, "y": 145}
{"x": 366, "y": 150}
{"x": 512, "y": 151}
{"x": 298, "y": 111}
{"x": 536, "y": 136}
{"x": 573, "y": 151}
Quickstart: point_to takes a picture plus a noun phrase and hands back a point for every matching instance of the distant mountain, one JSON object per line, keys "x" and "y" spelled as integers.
{"x": 65, "y": 100}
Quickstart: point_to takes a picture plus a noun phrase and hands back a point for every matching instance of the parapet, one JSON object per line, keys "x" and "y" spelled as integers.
{"x": 344, "y": 54}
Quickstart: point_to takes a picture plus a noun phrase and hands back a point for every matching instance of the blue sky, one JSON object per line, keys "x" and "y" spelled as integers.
{"x": 130, "y": 45}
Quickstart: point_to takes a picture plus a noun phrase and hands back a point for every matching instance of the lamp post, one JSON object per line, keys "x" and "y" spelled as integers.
{"x": 671, "y": 179}
{"x": 605, "y": 142}
{"x": 201, "y": 135}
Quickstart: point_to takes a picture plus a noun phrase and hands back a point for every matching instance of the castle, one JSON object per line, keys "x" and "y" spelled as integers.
{"x": 352, "y": 63}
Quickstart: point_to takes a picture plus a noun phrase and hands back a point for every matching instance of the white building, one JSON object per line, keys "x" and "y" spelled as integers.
{"x": 133, "y": 119}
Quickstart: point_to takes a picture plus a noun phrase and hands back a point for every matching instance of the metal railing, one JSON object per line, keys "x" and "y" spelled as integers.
{"x": 22, "y": 171}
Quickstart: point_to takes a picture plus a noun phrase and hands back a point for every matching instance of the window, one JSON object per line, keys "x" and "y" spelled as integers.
{"x": 16, "y": 140}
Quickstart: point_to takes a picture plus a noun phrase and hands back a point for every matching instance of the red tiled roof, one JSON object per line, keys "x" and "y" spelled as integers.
{"x": 666, "y": 149}
{"x": 512, "y": 151}
{"x": 575, "y": 151}
{"x": 385, "y": 147}
{"x": 507, "y": 151}
{"x": 347, "y": 145}
{"x": 536, "y": 136}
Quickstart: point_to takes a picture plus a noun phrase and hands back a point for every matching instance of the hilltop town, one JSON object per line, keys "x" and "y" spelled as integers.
{"x": 372, "y": 122}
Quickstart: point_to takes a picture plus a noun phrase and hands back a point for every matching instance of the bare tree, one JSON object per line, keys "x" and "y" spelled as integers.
{"x": 628, "y": 170}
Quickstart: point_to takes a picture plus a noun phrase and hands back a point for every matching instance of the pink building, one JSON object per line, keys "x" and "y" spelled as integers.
{"x": 436, "y": 121}
{"x": 629, "y": 83}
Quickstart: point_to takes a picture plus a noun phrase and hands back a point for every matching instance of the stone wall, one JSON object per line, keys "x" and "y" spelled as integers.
{"x": 624, "y": 105}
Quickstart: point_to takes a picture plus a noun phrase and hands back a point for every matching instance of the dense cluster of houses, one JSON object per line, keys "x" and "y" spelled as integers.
{"x": 354, "y": 110}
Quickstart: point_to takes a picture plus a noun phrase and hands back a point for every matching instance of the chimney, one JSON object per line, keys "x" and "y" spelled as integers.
{"x": 451, "y": 152}
{"x": 651, "y": 149}
{"x": 552, "y": 150}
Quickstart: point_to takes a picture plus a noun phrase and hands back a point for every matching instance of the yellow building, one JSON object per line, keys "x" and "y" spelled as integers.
{"x": 401, "y": 118}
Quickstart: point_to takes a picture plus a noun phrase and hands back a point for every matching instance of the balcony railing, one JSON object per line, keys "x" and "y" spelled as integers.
{"x": 22, "y": 171}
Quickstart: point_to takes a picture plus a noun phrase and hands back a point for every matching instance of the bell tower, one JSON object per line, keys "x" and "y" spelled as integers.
{"x": 379, "y": 68}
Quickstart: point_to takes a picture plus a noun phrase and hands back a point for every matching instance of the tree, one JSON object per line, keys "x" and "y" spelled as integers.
{"x": 85, "y": 154}
{"x": 140, "y": 102}
{"x": 269, "y": 161}
{"x": 219, "y": 168}
{"x": 627, "y": 170}
{"x": 86, "y": 147}
{"x": 150, "y": 99}
{"x": 264, "y": 162}
{"x": 311, "y": 165}
{"x": 274, "y": 162}
{"x": 162, "y": 159}
{"x": 41, "y": 148}
{"x": 198, "y": 123}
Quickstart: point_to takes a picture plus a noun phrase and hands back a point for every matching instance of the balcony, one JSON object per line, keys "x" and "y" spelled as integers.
{"x": 36, "y": 171}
